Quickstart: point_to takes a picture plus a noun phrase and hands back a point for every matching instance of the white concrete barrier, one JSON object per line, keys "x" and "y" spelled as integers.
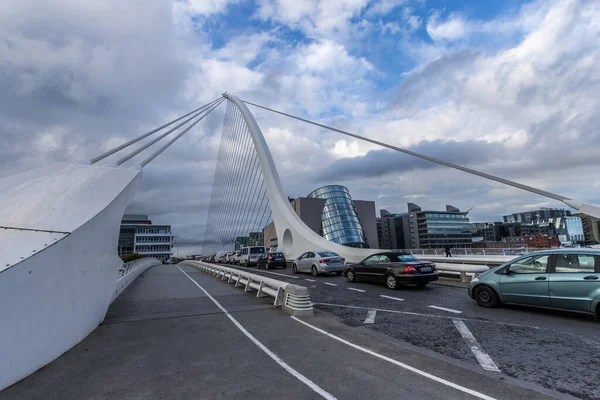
{"x": 293, "y": 299}
{"x": 465, "y": 270}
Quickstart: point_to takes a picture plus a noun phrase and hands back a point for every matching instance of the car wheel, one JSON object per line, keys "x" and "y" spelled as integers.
{"x": 391, "y": 282}
{"x": 314, "y": 271}
{"x": 266, "y": 265}
{"x": 486, "y": 296}
{"x": 350, "y": 276}
{"x": 294, "y": 268}
{"x": 421, "y": 285}
{"x": 338, "y": 273}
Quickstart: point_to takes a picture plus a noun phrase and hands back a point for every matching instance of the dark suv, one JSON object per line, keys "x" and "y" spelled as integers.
{"x": 271, "y": 260}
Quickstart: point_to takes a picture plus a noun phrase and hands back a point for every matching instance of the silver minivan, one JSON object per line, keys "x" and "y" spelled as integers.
{"x": 249, "y": 255}
{"x": 319, "y": 262}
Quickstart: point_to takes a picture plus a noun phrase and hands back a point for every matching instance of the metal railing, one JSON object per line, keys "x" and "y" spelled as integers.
{"x": 293, "y": 299}
{"x": 474, "y": 252}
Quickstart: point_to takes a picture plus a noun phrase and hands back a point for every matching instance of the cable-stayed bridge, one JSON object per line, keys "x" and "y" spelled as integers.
{"x": 60, "y": 227}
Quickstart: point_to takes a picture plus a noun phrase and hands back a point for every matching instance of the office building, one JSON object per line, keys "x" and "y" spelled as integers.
{"x": 539, "y": 240}
{"x": 531, "y": 217}
{"x": 394, "y": 231}
{"x": 138, "y": 235}
{"x": 330, "y": 212}
{"x": 486, "y": 231}
{"x": 591, "y": 230}
{"x": 420, "y": 228}
{"x": 253, "y": 239}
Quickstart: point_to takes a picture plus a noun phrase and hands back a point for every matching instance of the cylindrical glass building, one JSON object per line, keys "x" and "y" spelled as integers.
{"x": 339, "y": 221}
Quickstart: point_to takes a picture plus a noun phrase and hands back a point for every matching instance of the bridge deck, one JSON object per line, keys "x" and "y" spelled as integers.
{"x": 164, "y": 338}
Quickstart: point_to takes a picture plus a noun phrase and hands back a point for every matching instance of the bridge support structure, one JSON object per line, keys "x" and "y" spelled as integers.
{"x": 59, "y": 229}
{"x": 294, "y": 236}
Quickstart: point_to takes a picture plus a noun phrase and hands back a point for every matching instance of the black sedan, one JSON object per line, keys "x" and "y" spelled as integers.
{"x": 393, "y": 269}
{"x": 271, "y": 260}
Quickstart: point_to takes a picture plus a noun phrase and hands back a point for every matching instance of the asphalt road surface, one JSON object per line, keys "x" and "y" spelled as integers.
{"x": 554, "y": 350}
{"x": 182, "y": 334}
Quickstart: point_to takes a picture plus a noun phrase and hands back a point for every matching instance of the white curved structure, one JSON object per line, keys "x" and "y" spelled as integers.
{"x": 59, "y": 229}
{"x": 294, "y": 237}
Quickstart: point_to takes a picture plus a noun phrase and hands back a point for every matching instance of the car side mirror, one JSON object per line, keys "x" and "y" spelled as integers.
{"x": 507, "y": 271}
{"x": 362, "y": 263}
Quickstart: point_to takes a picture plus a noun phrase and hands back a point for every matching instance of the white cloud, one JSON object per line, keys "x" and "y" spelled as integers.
{"x": 202, "y": 7}
{"x": 453, "y": 28}
{"x": 382, "y": 7}
{"x": 316, "y": 18}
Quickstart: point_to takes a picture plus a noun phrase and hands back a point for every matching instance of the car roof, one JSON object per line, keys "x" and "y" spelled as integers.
{"x": 393, "y": 253}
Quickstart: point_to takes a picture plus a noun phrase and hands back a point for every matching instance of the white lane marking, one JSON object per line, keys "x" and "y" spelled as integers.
{"x": 274, "y": 356}
{"x": 427, "y": 315}
{"x": 398, "y": 363}
{"x": 446, "y": 309}
{"x": 356, "y": 290}
{"x": 266, "y": 272}
{"x": 310, "y": 280}
{"x": 484, "y": 359}
{"x": 390, "y": 297}
{"x": 370, "y": 317}
{"x": 330, "y": 284}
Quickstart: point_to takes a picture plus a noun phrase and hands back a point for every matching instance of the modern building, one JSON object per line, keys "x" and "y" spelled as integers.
{"x": 486, "y": 231}
{"x": 419, "y": 228}
{"x": 540, "y": 240}
{"x": 253, "y": 239}
{"x": 394, "y": 230}
{"x": 591, "y": 229}
{"x": 330, "y": 212}
{"x": 543, "y": 214}
{"x": 138, "y": 235}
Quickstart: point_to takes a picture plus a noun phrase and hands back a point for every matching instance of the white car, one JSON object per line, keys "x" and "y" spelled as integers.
{"x": 319, "y": 262}
{"x": 249, "y": 255}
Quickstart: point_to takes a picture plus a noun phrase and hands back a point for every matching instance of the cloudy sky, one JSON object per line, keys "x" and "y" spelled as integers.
{"x": 507, "y": 87}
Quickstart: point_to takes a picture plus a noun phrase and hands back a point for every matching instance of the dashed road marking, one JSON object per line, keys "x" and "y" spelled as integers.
{"x": 446, "y": 309}
{"x": 356, "y": 290}
{"x": 261, "y": 346}
{"x": 484, "y": 359}
{"x": 310, "y": 280}
{"x": 398, "y": 363}
{"x": 330, "y": 284}
{"x": 370, "y": 317}
{"x": 390, "y": 297}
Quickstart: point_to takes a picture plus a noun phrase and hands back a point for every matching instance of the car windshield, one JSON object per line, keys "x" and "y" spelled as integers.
{"x": 257, "y": 250}
{"x": 277, "y": 254}
{"x": 402, "y": 257}
{"x": 328, "y": 254}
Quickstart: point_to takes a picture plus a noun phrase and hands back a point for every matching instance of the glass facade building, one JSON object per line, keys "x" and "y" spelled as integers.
{"x": 438, "y": 229}
{"x": 340, "y": 222}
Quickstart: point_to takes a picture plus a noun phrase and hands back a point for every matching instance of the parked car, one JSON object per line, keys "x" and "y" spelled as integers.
{"x": 567, "y": 279}
{"x": 393, "y": 269}
{"x": 319, "y": 262}
{"x": 271, "y": 260}
{"x": 236, "y": 258}
{"x": 249, "y": 255}
{"x": 229, "y": 258}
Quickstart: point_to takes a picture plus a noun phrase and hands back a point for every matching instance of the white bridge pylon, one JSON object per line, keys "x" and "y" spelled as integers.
{"x": 294, "y": 237}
